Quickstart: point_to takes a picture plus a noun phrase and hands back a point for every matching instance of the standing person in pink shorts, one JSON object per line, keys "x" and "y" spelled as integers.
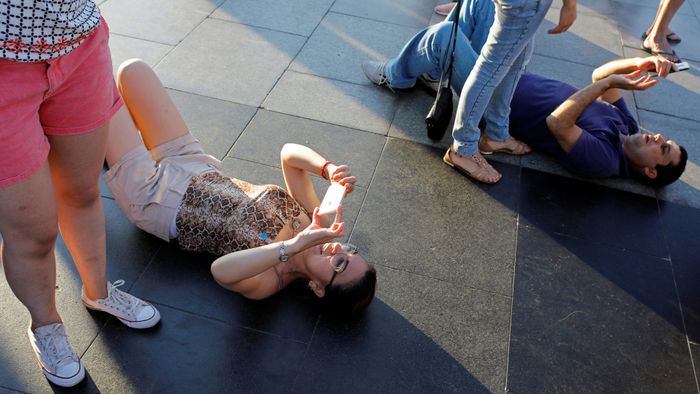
{"x": 57, "y": 94}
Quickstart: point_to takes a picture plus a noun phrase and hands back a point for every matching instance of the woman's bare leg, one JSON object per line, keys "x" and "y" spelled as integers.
{"x": 152, "y": 110}
{"x": 657, "y": 40}
{"x": 122, "y": 136}
{"x": 28, "y": 223}
{"x": 75, "y": 162}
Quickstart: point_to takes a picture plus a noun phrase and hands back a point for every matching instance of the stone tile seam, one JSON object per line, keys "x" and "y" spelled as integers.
{"x": 385, "y": 133}
{"x": 369, "y": 185}
{"x": 590, "y": 242}
{"x": 252, "y": 107}
{"x": 223, "y": 322}
{"x": 567, "y": 60}
{"x": 669, "y": 115}
{"x": 308, "y": 348}
{"x": 536, "y": 52}
{"x": 292, "y": 58}
{"x": 255, "y": 26}
{"x": 144, "y": 39}
{"x": 188, "y": 34}
{"x": 230, "y": 148}
{"x": 512, "y": 282}
{"x": 358, "y": 186}
{"x": 464, "y": 286}
{"x": 13, "y": 390}
{"x": 327, "y": 122}
{"x": 678, "y": 297}
{"x": 376, "y": 20}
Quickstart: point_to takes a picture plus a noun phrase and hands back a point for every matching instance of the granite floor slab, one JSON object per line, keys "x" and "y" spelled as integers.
{"x": 541, "y": 283}
{"x": 298, "y": 17}
{"x": 369, "y": 108}
{"x": 215, "y": 61}
{"x": 593, "y": 325}
{"x": 341, "y": 43}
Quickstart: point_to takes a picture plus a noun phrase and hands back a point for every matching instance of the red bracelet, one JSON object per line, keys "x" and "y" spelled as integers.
{"x": 323, "y": 169}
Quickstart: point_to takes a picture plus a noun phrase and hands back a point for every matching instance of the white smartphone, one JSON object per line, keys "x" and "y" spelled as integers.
{"x": 682, "y": 66}
{"x": 332, "y": 199}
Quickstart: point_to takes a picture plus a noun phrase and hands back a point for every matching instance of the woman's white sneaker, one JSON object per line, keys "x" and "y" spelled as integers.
{"x": 56, "y": 357}
{"x": 130, "y": 310}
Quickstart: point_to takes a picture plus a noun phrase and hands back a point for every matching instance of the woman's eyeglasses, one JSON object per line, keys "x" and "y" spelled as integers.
{"x": 340, "y": 260}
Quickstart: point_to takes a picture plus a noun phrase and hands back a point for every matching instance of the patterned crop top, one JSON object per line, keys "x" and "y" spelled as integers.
{"x": 221, "y": 215}
{"x": 40, "y": 30}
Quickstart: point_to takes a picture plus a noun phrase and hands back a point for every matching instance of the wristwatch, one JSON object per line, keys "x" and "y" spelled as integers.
{"x": 283, "y": 253}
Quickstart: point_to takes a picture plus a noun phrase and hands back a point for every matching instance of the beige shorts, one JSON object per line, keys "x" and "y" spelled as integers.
{"x": 149, "y": 186}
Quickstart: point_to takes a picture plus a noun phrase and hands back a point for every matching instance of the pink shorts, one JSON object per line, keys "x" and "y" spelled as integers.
{"x": 72, "y": 94}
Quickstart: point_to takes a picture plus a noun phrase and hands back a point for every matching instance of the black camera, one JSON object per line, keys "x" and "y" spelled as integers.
{"x": 440, "y": 114}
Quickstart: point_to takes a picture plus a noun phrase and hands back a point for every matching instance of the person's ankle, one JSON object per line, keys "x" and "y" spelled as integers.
{"x": 94, "y": 294}
{"x": 44, "y": 322}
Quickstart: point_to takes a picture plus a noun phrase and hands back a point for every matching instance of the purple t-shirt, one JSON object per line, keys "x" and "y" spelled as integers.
{"x": 598, "y": 153}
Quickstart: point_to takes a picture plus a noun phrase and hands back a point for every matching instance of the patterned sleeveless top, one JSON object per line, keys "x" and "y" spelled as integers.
{"x": 221, "y": 215}
{"x": 40, "y": 30}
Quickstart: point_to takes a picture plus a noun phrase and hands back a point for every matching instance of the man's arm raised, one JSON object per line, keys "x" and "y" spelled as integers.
{"x": 657, "y": 64}
{"x": 562, "y": 121}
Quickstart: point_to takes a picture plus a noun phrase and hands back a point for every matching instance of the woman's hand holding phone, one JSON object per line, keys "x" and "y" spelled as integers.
{"x": 316, "y": 234}
{"x": 341, "y": 174}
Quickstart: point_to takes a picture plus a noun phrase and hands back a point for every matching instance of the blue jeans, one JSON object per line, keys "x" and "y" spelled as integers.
{"x": 428, "y": 51}
{"x": 489, "y": 88}
{"x": 494, "y": 44}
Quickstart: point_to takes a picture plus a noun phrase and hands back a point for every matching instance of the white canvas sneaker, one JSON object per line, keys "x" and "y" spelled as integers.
{"x": 130, "y": 310}
{"x": 56, "y": 357}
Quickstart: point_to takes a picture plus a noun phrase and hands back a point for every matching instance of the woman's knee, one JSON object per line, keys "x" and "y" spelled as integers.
{"x": 79, "y": 197}
{"x": 31, "y": 239}
{"x": 132, "y": 69}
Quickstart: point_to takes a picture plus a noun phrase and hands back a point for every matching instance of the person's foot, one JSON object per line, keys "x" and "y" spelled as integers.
{"x": 130, "y": 310}
{"x": 56, "y": 357}
{"x": 510, "y": 146}
{"x": 655, "y": 45}
{"x": 376, "y": 72}
{"x": 475, "y": 167}
{"x": 673, "y": 38}
{"x": 444, "y": 9}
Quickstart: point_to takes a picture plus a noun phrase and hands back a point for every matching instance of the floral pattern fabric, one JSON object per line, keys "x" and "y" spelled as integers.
{"x": 40, "y": 30}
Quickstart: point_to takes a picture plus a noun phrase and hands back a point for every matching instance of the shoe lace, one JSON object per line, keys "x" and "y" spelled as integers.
{"x": 55, "y": 348}
{"x": 383, "y": 80}
{"x": 121, "y": 301}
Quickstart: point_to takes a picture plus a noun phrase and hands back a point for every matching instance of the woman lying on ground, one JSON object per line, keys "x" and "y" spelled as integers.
{"x": 264, "y": 234}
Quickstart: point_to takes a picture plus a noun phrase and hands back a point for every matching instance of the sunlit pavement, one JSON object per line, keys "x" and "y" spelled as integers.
{"x": 541, "y": 283}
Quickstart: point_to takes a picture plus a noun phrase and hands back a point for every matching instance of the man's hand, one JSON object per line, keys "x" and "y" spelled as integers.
{"x": 567, "y": 16}
{"x": 658, "y": 64}
{"x": 632, "y": 81}
{"x": 341, "y": 174}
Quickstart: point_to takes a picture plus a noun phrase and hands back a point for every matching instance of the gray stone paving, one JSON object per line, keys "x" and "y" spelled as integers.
{"x": 480, "y": 288}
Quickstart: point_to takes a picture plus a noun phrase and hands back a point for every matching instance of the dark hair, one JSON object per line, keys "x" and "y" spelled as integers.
{"x": 353, "y": 298}
{"x": 665, "y": 174}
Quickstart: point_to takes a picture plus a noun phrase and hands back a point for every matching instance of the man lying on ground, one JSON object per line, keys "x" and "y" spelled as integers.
{"x": 589, "y": 131}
